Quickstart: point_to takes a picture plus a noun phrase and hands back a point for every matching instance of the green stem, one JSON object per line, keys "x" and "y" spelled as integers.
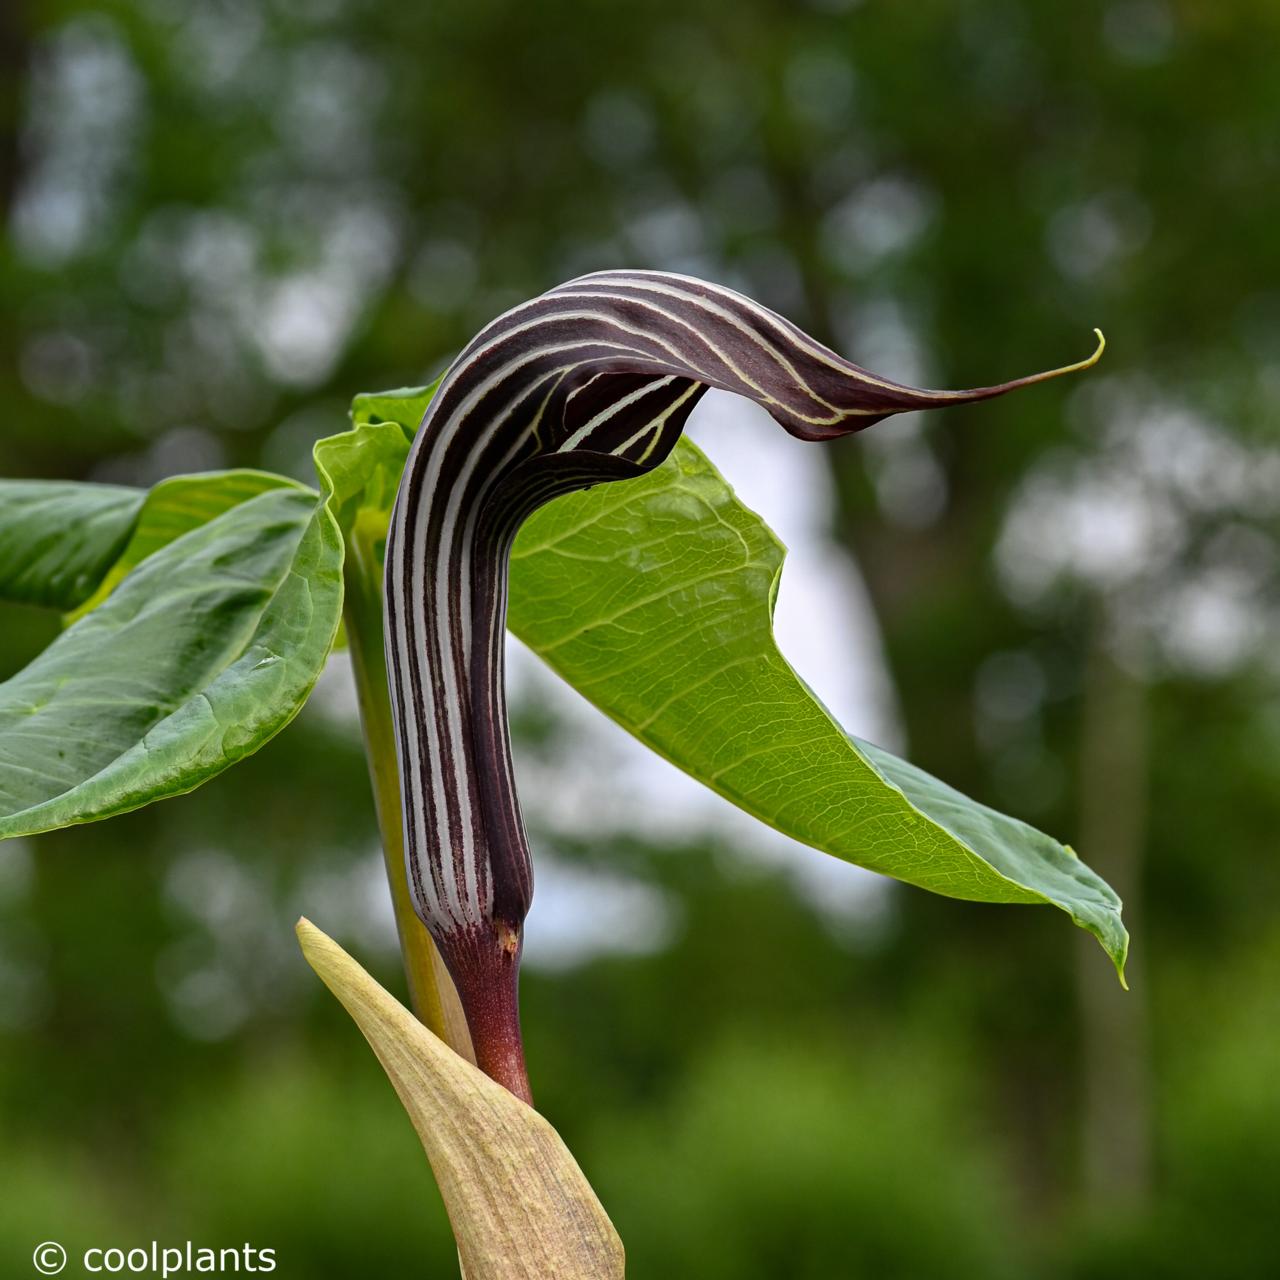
{"x": 431, "y": 991}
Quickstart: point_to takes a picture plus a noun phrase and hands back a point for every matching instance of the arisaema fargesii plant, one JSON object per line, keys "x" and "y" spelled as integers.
{"x": 200, "y": 614}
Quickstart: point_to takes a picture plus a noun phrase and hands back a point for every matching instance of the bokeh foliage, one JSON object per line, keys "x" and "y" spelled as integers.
{"x": 224, "y": 219}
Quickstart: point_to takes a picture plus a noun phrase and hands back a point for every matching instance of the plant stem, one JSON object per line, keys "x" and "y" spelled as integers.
{"x": 431, "y": 990}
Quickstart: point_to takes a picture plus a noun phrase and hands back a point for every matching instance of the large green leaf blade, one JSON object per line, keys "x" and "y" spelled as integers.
{"x": 654, "y": 599}
{"x": 207, "y": 644}
{"x": 176, "y": 506}
{"x": 58, "y": 539}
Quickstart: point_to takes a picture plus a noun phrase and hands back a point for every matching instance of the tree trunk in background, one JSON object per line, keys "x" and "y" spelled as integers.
{"x": 13, "y": 61}
{"x": 14, "y": 56}
{"x": 900, "y": 566}
{"x": 1116, "y": 1109}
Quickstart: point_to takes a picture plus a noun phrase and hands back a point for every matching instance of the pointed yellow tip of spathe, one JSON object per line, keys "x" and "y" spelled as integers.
{"x": 1032, "y": 379}
{"x": 1097, "y": 355}
{"x": 1081, "y": 365}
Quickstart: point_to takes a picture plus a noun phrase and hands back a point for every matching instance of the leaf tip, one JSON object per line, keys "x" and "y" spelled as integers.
{"x": 1117, "y": 949}
{"x": 1118, "y": 958}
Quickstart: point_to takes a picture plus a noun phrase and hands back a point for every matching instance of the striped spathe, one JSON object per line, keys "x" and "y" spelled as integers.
{"x": 590, "y": 382}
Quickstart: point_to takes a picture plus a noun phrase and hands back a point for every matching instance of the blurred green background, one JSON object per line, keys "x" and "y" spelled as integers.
{"x": 222, "y": 218}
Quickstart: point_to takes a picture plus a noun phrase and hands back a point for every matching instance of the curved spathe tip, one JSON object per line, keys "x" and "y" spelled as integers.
{"x": 1032, "y": 378}
{"x": 1080, "y": 365}
{"x": 911, "y": 399}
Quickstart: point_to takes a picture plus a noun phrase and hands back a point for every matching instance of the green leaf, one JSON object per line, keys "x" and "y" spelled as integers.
{"x": 654, "y": 599}
{"x": 174, "y": 507}
{"x": 203, "y": 638}
{"x": 202, "y": 614}
{"x": 405, "y": 406}
{"x": 518, "y": 1203}
{"x": 360, "y": 469}
{"x": 58, "y": 539}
